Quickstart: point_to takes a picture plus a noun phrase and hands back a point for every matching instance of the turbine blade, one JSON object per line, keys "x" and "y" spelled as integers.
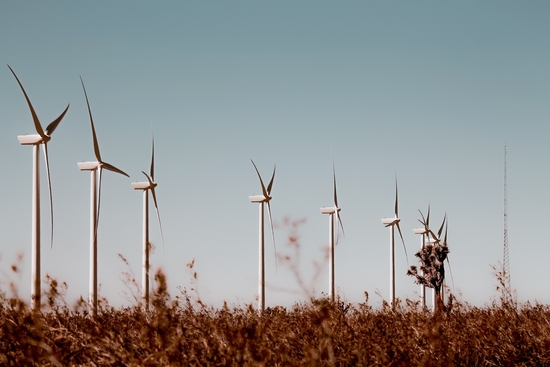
{"x": 98, "y": 203}
{"x": 428, "y": 218}
{"x": 152, "y": 170}
{"x": 341, "y": 225}
{"x": 156, "y": 207}
{"x": 403, "y": 241}
{"x": 37, "y": 125}
{"x": 445, "y": 238}
{"x": 436, "y": 239}
{"x": 423, "y": 221}
{"x": 271, "y": 181}
{"x": 50, "y": 190}
{"x": 53, "y": 125}
{"x": 272, "y": 232}
{"x": 396, "y": 200}
{"x": 112, "y": 168}
{"x": 441, "y": 228}
{"x": 158, "y": 216}
{"x": 451, "y": 271}
{"x": 334, "y": 179}
{"x": 266, "y": 195}
{"x": 448, "y": 261}
{"x": 94, "y": 137}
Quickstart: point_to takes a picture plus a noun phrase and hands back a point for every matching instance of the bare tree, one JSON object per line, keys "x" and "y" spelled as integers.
{"x": 432, "y": 258}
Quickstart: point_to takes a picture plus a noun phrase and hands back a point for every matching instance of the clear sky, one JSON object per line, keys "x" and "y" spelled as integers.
{"x": 426, "y": 90}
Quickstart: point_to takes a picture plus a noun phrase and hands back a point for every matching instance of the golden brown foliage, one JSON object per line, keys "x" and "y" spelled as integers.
{"x": 180, "y": 331}
{"x": 176, "y": 332}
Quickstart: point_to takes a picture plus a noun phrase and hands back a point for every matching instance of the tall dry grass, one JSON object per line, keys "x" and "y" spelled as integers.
{"x": 180, "y": 331}
{"x": 320, "y": 333}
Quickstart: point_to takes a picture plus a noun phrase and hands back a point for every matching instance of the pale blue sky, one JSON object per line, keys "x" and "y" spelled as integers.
{"x": 429, "y": 91}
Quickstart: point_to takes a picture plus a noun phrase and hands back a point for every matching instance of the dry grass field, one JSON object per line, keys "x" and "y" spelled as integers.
{"x": 178, "y": 331}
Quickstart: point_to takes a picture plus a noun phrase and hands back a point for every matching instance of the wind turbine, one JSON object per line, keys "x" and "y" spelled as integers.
{"x": 150, "y": 184}
{"x": 95, "y": 202}
{"x": 394, "y": 222}
{"x": 43, "y": 137}
{"x": 265, "y": 198}
{"x": 331, "y": 211}
{"x": 435, "y": 240}
{"x": 424, "y": 232}
{"x": 443, "y": 242}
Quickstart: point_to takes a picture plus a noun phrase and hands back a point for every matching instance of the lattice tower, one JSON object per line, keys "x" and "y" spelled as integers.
{"x": 506, "y": 260}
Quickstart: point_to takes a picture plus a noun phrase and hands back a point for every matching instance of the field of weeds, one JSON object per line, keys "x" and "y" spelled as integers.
{"x": 177, "y": 331}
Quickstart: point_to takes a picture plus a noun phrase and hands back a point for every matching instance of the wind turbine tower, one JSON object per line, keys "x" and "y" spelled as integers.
{"x": 147, "y": 186}
{"x": 392, "y": 223}
{"x": 331, "y": 211}
{"x": 422, "y": 232}
{"x": 41, "y": 138}
{"x": 506, "y": 260}
{"x": 95, "y": 202}
{"x": 265, "y": 198}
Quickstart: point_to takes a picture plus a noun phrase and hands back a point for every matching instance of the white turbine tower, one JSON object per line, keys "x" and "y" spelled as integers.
{"x": 394, "y": 222}
{"x": 432, "y": 239}
{"x": 43, "y": 137}
{"x": 95, "y": 203}
{"x": 150, "y": 184}
{"x": 424, "y": 232}
{"x": 448, "y": 261}
{"x": 436, "y": 241}
{"x": 331, "y": 211}
{"x": 265, "y": 198}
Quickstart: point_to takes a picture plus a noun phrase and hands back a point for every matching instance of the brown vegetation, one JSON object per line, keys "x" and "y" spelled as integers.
{"x": 182, "y": 332}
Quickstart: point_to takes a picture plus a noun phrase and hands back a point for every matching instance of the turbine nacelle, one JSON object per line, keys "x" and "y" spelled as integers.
{"x": 143, "y": 185}
{"x": 331, "y": 210}
{"x": 420, "y": 231}
{"x": 89, "y": 166}
{"x": 33, "y": 139}
{"x": 259, "y": 199}
{"x": 390, "y": 221}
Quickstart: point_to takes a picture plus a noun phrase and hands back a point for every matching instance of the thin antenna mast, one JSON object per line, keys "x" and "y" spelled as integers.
{"x": 506, "y": 260}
